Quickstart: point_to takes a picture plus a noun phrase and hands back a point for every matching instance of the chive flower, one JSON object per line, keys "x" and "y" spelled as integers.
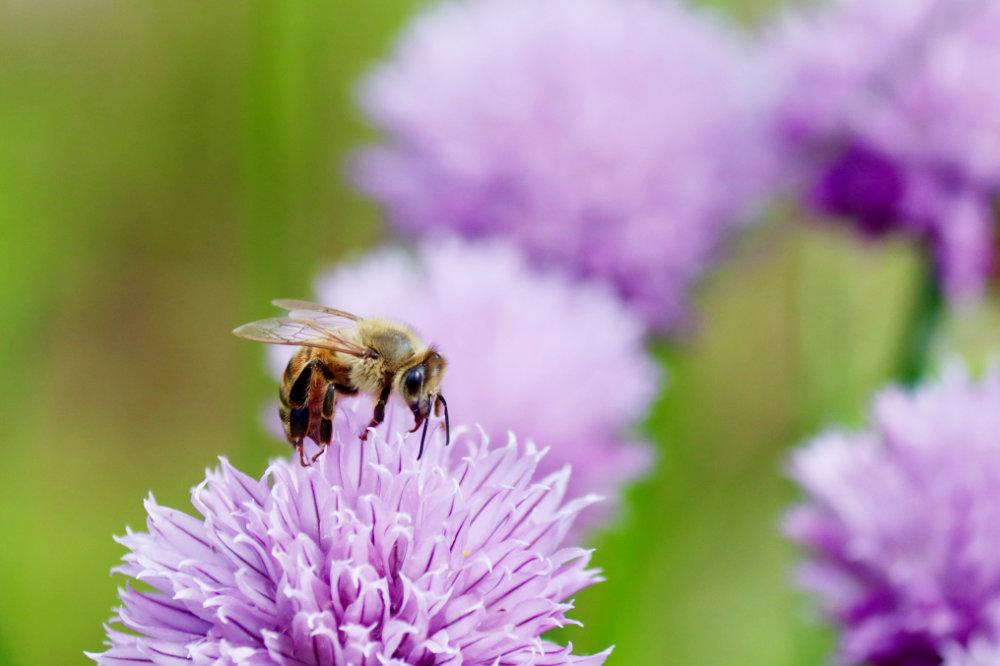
{"x": 368, "y": 557}
{"x": 980, "y": 653}
{"x": 622, "y": 140}
{"x": 901, "y": 523}
{"x": 890, "y": 117}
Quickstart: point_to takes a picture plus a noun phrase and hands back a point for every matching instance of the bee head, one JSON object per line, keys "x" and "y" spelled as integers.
{"x": 421, "y": 383}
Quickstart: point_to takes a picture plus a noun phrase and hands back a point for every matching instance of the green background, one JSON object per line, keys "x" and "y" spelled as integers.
{"x": 168, "y": 168}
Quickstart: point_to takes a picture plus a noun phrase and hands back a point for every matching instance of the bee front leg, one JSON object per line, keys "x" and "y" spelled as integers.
{"x": 379, "y": 415}
{"x": 418, "y": 419}
{"x": 438, "y": 404}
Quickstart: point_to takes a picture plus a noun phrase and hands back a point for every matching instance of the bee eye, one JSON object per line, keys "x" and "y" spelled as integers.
{"x": 414, "y": 379}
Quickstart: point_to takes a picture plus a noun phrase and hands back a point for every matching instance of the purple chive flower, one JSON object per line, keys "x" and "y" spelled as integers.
{"x": 620, "y": 139}
{"x": 367, "y": 558}
{"x": 561, "y": 363}
{"x": 980, "y": 653}
{"x": 902, "y": 522}
{"x": 891, "y": 119}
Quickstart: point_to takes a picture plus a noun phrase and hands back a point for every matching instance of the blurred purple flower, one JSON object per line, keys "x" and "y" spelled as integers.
{"x": 558, "y": 362}
{"x": 890, "y": 115}
{"x": 368, "y": 557}
{"x": 620, "y": 139}
{"x": 980, "y": 653}
{"x": 902, "y": 522}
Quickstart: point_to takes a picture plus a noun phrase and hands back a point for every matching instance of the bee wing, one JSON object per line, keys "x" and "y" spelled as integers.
{"x": 314, "y": 311}
{"x": 288, "y": 331}
{"x": 319, "y": 317}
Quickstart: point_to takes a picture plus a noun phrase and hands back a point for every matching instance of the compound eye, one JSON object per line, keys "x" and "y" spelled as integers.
{"x": 414, "y": 380}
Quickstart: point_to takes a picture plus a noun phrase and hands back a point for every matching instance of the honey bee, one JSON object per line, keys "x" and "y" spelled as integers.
{"x": 343, "y": 354}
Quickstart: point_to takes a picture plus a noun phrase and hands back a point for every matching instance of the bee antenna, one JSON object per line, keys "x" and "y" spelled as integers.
{"x": 447, "y": 421}
{"x": 423, "y": 436}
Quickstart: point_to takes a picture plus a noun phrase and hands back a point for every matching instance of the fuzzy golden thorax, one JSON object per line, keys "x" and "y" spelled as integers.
{"x": 393, "y": 348}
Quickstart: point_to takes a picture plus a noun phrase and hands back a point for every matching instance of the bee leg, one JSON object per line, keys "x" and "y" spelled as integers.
{"x": 299, "y": 392}
{"x": 438, "y": 403}
{"x": 379, "y": 414}
{"x": 326, "y": 421}
{"x": 418, "y": 420}
{"x": 298, "y": 414}
{"x": 423, "y": 436}
{"x": 298, "y": 426}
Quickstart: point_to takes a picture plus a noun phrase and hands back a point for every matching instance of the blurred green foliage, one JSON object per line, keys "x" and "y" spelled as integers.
{"x": 168, "y": 168}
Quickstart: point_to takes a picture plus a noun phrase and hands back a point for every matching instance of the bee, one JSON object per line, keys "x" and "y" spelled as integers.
{"x": 342, "y": 354}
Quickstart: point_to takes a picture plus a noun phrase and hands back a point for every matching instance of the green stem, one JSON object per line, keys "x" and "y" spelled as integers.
{"x": 928, "y": 314}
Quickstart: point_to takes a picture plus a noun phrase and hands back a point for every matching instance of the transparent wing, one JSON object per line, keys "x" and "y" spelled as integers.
{"x": 305, "y": 310}
{"x": 320, "y": 318}
{"x": 289, "y": 331}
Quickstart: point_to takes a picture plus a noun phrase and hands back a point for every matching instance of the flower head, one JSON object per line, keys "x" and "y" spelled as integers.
{"x": 889, "y": 111}
{"x": 902, "y": 522}
{"x": 369, "y": 557}
{"x": 558, "y": 362}
{"x": 619, "y": 139}
{"x": 980, "y": 653}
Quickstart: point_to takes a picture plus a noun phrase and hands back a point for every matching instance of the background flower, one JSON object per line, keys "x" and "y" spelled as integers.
{"x": 902, "y": 521}
{"x": 890, "y": 112}
{"x": 616, "y": 138}
{"x": 367, "y": 557}
{"x": 558, "y": 362}
{"x": 980, "y": 653}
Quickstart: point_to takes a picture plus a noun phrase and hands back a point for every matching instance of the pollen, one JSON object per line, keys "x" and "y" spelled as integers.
{"x": 465, "y": 552}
